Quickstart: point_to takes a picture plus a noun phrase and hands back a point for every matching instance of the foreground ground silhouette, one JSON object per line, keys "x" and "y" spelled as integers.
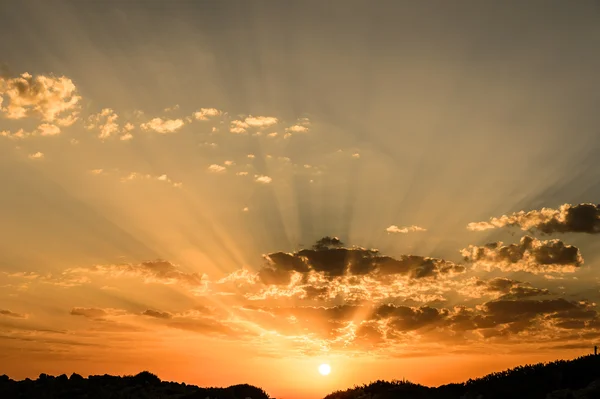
{"x": 563, "y": 379}
{"x": 144, "y": 385}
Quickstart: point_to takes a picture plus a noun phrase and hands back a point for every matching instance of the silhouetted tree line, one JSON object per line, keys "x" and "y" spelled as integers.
{"x": 563, "y": 379}
{"x": 144, "y": 385}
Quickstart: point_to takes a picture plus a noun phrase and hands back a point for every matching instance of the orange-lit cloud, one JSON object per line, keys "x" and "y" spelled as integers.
{"x": 395, "y": 229}
{"x": 47, "y": 97}
{"x": 163, "y": 126}
{"x": 8, "y": 313}
{"x": 530, "y": 255}
{"x": 205, "y": 114}
{"x": 105, "y": 121}
{"x": 581, "y": 218}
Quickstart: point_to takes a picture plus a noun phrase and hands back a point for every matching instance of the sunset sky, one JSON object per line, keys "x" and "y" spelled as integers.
{"x": 226, "y": 192}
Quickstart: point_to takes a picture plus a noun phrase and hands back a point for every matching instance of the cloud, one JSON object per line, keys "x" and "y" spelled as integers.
{"x": 530, "y": 255}
{"x": 331, "y": 272}
{"x": 91, "y": 313}
{"x": 581, "y": 218}
{"x": 395, "y": 229}
{"x": 297, "y": 129}
{"x": 200, "y": 320}
{"x": 331, "y": 297}
{"x": 534, "y": 317}
{"x": 261, "y": 121}
{"x": 163, "y": 126}
{"x": 330, "y": 257}
{"x": 508, "y": 311}
{"x": 48, "y": 97}
{"x": 262, "y": 179}
{"x": 8, "y": 313}
{"x": 501, "y": 287}
{"x": 36, "y": 155}
{"x": 48, "y": 129}
{"x": 44, "y": 129}
{"x": 390, "y": 326}
{"x": 157, "y": 272}
{"x": 131, "y": 176}
{"x": 205, "y": 114}
{"x": 238, "y": 127}
{"x": 173, "y": 108}
{"x": 214, "y": 168}
{"x": 157, "y": 314}
{"x": 19, "y": 134}
{"x": 207, "y": 322}
{"x": 105, "y": 122}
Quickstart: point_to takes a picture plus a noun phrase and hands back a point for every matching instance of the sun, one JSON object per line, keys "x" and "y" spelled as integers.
{"x": 324, "y": 369}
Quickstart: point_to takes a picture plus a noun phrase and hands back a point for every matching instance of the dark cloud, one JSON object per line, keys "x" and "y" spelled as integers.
{"x": 165, "y": 271}
{"x": 92, "y": 313}
{"x": 506, "y": 311}
{"x": 514, "y": 316}
{"x": 581, "y": 218}
{"x": 530, "y": 255}
{"x": 511, "y": 289}
{"x": 157, "y": 314}
{"x": 8, "y": 313}
{"x": 329, "y": 257}
{"x": 404, "y": 318}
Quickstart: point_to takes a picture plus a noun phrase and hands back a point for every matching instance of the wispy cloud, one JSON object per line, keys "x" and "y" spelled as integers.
{"x": 395, "y": 229}
{"x": 159, "y": 271}
{"x": 8, "y": 313}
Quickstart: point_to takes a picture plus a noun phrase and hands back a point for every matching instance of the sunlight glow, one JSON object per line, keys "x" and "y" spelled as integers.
{"x": 324, "y": 369}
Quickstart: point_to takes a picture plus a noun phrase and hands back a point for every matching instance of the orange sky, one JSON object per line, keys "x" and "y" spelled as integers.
{"x": 237, "y": 192}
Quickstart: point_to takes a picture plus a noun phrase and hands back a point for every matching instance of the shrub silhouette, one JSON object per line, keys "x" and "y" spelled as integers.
{"x": 578, "y": 378}
{"x": 144, "y": 385}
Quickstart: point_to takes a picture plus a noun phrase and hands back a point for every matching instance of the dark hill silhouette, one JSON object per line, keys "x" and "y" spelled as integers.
{"x": 562, "y": 379}
{"x": 144, "y": 385}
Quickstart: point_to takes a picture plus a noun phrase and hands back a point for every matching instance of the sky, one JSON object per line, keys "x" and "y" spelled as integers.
{"x": 226, "y": 192}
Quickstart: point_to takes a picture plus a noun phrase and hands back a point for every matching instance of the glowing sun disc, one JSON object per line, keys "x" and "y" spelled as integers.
{"x": 324, "y": 369}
